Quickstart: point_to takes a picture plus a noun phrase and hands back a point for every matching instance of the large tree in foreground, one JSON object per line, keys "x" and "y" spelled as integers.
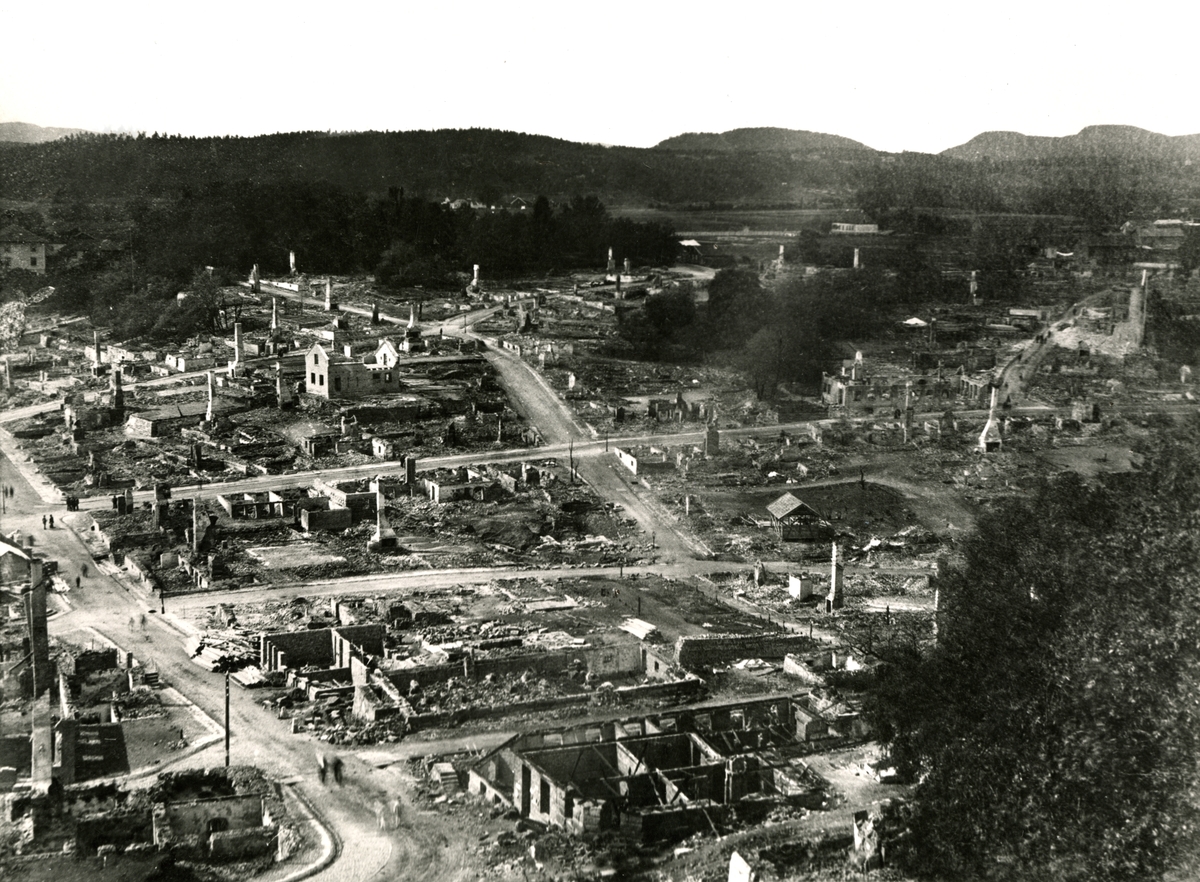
{"x": 1055, "y": 728}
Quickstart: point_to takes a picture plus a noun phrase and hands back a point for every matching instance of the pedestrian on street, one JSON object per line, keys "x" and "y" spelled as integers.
{"x": 131, "y": 624}
{"x": 77, "y": 582}
{"x": 143, "y": 621}
{"x": 43, "y": 522}
{"x": 321, "y": 767}
{"x": 337, "y": 770}
{"x": 84, "y": 569}
{"x": 51, "y": 522}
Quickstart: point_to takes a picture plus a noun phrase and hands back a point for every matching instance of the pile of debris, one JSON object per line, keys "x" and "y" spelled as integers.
{"x": 228, "y": 650}
{"x": 141, "y": 703}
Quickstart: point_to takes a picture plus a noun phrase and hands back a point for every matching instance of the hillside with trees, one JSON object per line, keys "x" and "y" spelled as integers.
{"x": 1104, "y": 174}
{"x": 765, "y": 139}
{"x": 1108, "y": 142}
{"x": 483, "y": 164}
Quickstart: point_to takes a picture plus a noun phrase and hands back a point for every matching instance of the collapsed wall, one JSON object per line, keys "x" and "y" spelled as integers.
{"x": 702, "y": 650}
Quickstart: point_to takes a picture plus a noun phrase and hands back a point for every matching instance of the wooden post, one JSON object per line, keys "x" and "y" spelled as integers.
{"x": 227, "y": 719}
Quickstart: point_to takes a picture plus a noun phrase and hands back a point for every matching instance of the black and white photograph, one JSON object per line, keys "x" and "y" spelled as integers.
{"x": 545, "y": 442}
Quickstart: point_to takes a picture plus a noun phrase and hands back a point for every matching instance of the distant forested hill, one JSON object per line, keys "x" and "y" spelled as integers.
{"x": 1104, "y": 174}
{"x": 1107, "y": 142}
{"x": 28, "y": 133}
{"x": 764, "y": 139}
{"x": 448, "y": 163}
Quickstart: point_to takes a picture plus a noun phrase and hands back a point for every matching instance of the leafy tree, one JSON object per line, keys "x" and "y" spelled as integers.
{"x": 209, "y": 306}
{"x": 730, "y": 289}
{"x": 403, "y": 265}
{"x": 1056, "y": 723}
{"x": 671, "y": 310}
{"x": 661, "y": 329}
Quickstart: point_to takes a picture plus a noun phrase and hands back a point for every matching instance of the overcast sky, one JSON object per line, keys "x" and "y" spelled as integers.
{"x": 895, "y": 76}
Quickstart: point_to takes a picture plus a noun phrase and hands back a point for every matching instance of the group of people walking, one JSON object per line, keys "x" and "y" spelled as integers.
{"x": 327, "y": 765}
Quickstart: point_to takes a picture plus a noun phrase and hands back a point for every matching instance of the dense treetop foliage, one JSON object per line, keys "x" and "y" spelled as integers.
{"x": 1056, "y": 726}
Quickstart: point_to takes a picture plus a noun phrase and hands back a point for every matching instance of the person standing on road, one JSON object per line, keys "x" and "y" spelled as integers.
{"x": 51, "y": 522}
{"x": 321, "y": 767}
{"x": 43, "y": 522}
{"x": 76, "y": 582}
{"x": 337, "y": 770}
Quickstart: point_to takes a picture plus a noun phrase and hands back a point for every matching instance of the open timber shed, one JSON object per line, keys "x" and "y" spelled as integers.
{"x": 796, "y": 521}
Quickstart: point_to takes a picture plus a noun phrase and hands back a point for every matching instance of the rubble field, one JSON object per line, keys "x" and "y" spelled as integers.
{"x": 550, "y": 524}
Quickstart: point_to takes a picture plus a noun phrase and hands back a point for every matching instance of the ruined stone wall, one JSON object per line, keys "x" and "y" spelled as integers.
{"x": 240, "y": 845}
{"x": 192, "y": 818}
{"x": 88, "y": 661}
{"x": 713, "y": 649}
{"x": 346, "y": 637}
{"x": 300, "y": 648}
{"x": 117, "y": 829}
{"x": 312, "y": 519}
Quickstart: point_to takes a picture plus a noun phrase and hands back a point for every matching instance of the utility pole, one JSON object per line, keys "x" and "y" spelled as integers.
{"x": 227, "y": 719}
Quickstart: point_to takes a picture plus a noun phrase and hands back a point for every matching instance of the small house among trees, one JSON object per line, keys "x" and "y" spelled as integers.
{"x": 796, "y": 521}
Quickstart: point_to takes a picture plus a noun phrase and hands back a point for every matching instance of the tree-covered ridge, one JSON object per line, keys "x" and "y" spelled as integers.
{"x": 1056, "y": 726}
{"x": 764, "y": 139}
{"x": 744, "y": 167}
{"x": 1109, "y": 142}
{"x": 439, "y": 164}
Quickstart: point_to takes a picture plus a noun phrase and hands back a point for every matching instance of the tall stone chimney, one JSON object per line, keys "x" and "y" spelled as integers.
{"x": 475, "y": 281}
{"x": 255, "y": 286}
{"x": 374, "y": 312}
{"x": 96, "y": 339}
{"x": 292, "y": 262}
{"x": 328, "y": 294}
{"x": 857, "y": 265}
{"x": 628, "y": 267}
{"x": 384, "y": 537}
{"x": 196, "y": 524}
{"x": 611, "y": 268}
{"x": 118, "y": 393}
{"x": 274, "y": 313}
{"x": 836, "y": 597}
{"x": 237, "y": 343}
{"x": 283, "y": 395}
{"x": 208, "y": 414}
